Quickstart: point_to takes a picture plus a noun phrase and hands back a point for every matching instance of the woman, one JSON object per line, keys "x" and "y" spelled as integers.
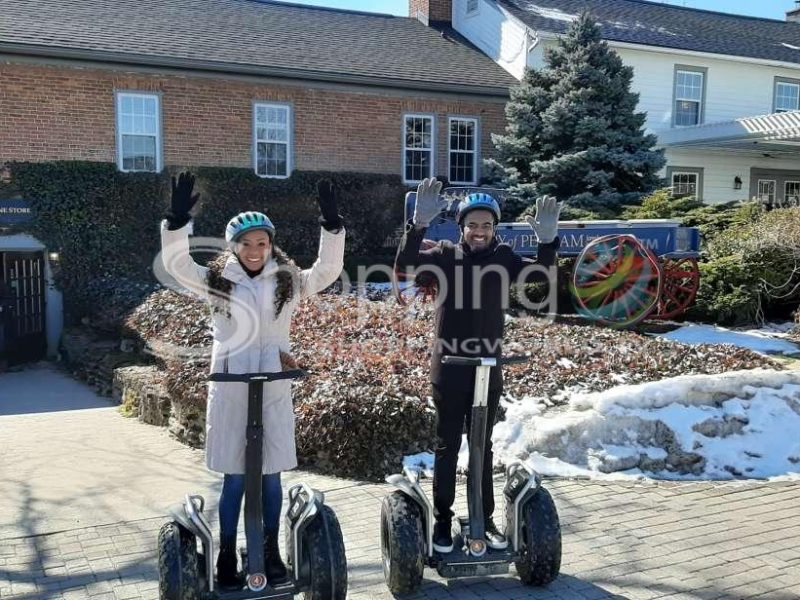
{"x": 253, "y": 289}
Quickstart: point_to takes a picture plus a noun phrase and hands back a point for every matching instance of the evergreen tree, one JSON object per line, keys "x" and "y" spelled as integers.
{"x": 573, "y": 131}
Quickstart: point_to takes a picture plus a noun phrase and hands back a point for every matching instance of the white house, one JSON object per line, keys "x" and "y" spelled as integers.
{"x": 721, "y": 91}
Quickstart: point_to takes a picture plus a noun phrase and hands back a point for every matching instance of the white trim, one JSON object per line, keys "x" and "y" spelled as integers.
{"x": 432, "y": 150}
{"x": 474, "y": 152}
{"x": 549, "y": 35}
{"x": 289, "y": 138}
{"x": 119, "y": 95}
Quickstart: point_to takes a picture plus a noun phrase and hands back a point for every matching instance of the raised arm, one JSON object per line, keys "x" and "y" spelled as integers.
{"x": 427, "y": 206}
{"x": 545, "y": 227}
{"x": 330, "y": 257}
{"x": 175, "y": 230}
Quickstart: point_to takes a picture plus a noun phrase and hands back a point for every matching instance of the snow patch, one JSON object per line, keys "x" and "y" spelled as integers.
{"x": 736, "y": 425}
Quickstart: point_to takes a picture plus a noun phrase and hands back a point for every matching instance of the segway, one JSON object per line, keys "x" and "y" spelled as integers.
{"x": 531, "y": 519}
{"x": 316, "y": 563}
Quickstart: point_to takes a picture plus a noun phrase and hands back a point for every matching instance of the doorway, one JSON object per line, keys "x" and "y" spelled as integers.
{"x": 23, "y": 332}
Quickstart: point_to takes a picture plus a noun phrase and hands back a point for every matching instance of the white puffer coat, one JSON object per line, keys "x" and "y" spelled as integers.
{"x": 250, "y": 340}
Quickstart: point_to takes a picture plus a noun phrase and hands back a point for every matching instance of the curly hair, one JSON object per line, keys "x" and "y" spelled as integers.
{"x": 288, "y": 277}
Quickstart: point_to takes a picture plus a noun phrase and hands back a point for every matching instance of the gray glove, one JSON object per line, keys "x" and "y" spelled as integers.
{"x": 428, "y": 203}
{"x": 545, "y": 223}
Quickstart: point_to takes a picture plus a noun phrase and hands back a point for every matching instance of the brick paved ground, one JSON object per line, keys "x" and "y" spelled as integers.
{"x": 61, "y": 475}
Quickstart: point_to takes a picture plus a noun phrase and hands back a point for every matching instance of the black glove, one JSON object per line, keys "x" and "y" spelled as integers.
{"x": 330, "y": 219}
{"x": 182, "y": 201}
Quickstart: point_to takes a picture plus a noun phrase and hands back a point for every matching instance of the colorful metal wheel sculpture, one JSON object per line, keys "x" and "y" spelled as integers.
{"x": 681, "y": 280}
{"x": 616, "y": 281}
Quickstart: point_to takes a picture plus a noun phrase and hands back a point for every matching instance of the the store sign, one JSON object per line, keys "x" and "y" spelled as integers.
{"x": 14, "y": 212}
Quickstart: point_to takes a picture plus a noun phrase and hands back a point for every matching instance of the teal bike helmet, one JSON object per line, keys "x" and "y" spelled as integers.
{"x": 478, "y": 201}
{"x": 248, "y": 221}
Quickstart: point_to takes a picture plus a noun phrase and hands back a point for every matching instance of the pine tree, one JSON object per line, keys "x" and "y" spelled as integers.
{"x": 573, "y": 131}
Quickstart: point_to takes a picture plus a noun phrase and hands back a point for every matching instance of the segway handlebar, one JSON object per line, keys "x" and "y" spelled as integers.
{"x": 252, "y": 377}
{"x": 487, "y": 361}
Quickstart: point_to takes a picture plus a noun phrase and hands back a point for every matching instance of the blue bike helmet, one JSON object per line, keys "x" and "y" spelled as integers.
{"x": 478, "y": 201}
{"x": 248, "y": 221}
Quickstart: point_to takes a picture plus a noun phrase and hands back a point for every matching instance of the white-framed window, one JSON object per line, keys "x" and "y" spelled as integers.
{"x": 766, "y": 191}
{"x": 688, "y": 103}
{"x": 418, "y": 140}
{"x": 791, "y": 192}
{"x": 787, "y": 96}
{"x": 139, "y": 132}
{"x": 272, "y": 140}
{"x": 684, "y": 184}
{"x": 462, "y": 150}
{"x": 472, "y": 7}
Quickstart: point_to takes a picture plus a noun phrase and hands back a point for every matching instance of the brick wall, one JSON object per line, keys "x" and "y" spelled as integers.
{"x": 54, "y": 113}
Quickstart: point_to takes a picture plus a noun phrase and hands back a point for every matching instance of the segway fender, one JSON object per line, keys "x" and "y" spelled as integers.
{"x": 189, "y": 515}
{"x": 408, "y": 485}
{"x": 305, "y": 503}
{"x": 178, "y": 514}
{"x": 522, "y": 482}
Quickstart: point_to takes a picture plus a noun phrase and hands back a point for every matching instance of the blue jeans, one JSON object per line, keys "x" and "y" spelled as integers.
{"x": 230, "y": 503}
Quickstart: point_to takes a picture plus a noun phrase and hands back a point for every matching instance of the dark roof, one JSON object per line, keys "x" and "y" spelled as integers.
{"x": 655, "y": 24}
{"x": 250, "y": 36}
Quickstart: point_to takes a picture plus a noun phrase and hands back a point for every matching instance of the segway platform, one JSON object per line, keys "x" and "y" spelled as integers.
{"x": 316, "y": 562}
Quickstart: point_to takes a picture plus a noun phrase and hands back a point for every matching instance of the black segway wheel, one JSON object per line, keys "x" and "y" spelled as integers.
{"x": 324, "y": 550}
{"x": 402, "y": 543}
{"x": 177, "y": 563}
{"x": 541, "y": 540}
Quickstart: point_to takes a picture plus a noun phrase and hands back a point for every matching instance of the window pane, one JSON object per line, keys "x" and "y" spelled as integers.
{"x": 461, "y": 167}
{"x": 687, "y": 113}
{"x": 791, "y": 193}
{"x": 261, "y": 159}
{"x": 418, "y": 132}
{"x": 787, "y": 96}
{"x": 684, "y": 184}
{"x": 462, "y": 151}
{"x": 272, "y": 140}
{"x": 417, "y": 165}
{"x": 689, "y": 86}
{"x": 138, "y": 153}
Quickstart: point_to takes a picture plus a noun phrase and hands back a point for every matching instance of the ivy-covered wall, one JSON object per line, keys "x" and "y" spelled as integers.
{"x": 104, "y": 223}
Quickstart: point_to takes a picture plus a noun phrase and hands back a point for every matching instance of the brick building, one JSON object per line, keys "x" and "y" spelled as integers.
{"x": 273, "y": 86}
{"x": 239, "y": 83}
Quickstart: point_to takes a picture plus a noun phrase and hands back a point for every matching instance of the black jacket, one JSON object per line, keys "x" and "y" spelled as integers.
{"x": 470, "y": 316}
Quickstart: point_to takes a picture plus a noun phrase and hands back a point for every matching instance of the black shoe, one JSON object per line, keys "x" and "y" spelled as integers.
{"x": 443, "y": 537}
{"x": 228, "y": 575}
{"x": 273, "y": 565}
{"x": 494, "y": 539}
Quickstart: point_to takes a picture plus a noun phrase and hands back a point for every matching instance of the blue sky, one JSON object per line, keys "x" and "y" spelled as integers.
{"x": 773, "y": 9}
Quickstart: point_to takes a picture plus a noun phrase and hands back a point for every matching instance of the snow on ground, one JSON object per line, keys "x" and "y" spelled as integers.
{"x": 738, "y": 425}
{"x": 766, "y": 340}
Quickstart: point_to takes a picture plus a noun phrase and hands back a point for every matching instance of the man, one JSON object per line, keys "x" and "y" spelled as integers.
{"x": 473, "y": 279}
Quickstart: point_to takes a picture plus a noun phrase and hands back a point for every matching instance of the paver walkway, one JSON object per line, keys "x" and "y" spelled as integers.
{"x": 83, "y": 492}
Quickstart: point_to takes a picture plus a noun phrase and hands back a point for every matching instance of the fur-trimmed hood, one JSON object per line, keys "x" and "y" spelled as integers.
{"x": 287, "y": 274}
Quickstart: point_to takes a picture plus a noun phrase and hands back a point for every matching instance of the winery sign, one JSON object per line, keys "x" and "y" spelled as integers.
{"x": 14, "y": 212}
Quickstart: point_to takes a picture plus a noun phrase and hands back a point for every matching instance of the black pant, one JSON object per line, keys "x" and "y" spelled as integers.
{"x": 453, "y": 409}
